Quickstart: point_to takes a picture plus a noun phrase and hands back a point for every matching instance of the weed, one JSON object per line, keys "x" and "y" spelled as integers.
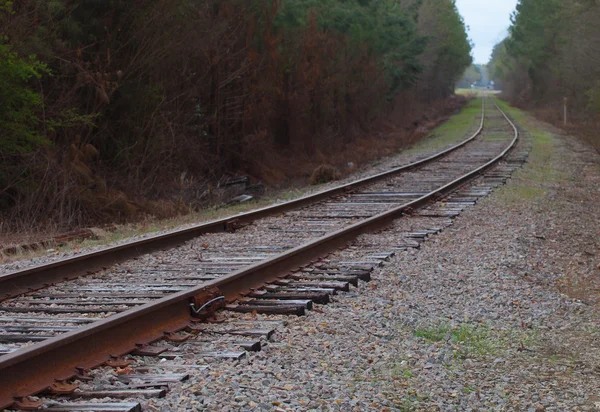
{"x": 468, "y": 339}
{"x": 433, "y": 333}
{"x": 412, "y": 401}
{"x": 593, "y": 330}
{"x": 475, "y": 340}
{"x": 522, "y": 337}
{"x": 521, "y": 192}
{"x": 469, "y": 389}
{"x": 395, "y": 371}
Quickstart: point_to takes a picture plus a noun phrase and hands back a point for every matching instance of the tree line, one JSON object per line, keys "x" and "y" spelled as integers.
{"x": 552, "y": 52}
{"x": 102, "y": 101}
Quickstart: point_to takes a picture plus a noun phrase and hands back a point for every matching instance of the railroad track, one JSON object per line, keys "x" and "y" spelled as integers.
{"x": 133, "y": 307}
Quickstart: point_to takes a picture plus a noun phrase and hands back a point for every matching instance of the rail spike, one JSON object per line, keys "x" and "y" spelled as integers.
{"x": 205, "y": 304}
{"x": 27, "y": 403}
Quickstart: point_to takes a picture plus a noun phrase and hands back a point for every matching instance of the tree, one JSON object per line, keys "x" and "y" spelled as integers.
{"x": 20, "y": 104}
{"x": 448, "y": 51}
{"x": 158, "y": 89}
{"x": 552, "y": 52}
{"x": 471, "y": 76}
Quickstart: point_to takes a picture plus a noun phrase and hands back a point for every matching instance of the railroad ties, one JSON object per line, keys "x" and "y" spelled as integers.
{"x": 252, "y": 321}
{"x": 149, "y": 371}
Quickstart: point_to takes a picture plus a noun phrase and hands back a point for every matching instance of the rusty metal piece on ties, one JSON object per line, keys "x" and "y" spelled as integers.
{"x": 26, "y": 403}
{"x": 209, "y": 310}
{"x": 232, "y": 225}
{"x": 83, "y": 374}
{"x": 146, "y": 350}
{"x": 118, "y": 362}
{"x": 195, "y": 326}
{"x": 176, "y": 337}
{"x": 62, "y": 388}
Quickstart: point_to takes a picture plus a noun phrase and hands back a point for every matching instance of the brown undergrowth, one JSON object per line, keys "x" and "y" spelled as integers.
{"x": 278, "y": 169}
{"x": 404, "y": 126}
{"x": 129, "y": 109}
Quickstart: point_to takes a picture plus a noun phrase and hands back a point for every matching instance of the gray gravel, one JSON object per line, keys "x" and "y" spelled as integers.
{"x": 499, "y": 312}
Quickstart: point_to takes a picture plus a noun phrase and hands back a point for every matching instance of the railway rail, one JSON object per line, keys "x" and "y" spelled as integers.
{"x": 60, "y": 320}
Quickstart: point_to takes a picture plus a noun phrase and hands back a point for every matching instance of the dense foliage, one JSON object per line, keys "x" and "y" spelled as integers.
{"x": 552, "y": 51}
{"x": 102, "y": 98}
{"x": 19, "y": 103}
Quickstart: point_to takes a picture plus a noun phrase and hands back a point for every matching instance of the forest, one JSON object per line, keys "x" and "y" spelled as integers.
{"x": 552, "y": 52}
{"x": 114, "y": 109}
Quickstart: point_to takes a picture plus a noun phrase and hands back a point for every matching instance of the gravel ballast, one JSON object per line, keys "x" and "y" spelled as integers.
{"x": 498, "y": 312}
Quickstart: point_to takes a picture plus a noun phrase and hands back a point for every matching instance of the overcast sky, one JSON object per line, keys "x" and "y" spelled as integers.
{"x": 488, "y": 21}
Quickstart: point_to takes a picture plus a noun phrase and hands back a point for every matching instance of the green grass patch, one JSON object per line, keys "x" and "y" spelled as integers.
{"x": 496, "y": 137}
{"x": 594, "y": 330}
{"x": 467, "y": 340}
{"x": 475, "y": 340}
{"x": 469, "y": 389}
{"x": 533, "y": 181}
{"x": 522, "y": 192}
{"x": 435, "y": 333}
{"x": 454, "y": 130}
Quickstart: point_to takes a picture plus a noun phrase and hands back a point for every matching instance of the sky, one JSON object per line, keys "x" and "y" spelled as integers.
{"x": 488, "y": 22}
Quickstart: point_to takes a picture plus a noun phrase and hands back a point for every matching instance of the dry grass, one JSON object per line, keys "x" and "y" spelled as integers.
{"x": 585, "y": 124}
{"x": 149, "y": 226}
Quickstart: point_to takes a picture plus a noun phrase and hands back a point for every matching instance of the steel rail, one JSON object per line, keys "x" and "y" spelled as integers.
{"x": 32, "y": 369}
{"x": 23, "y": 281}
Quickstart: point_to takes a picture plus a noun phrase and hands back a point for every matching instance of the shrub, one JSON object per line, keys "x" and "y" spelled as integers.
{"x": 19, "y": 102}
{"x": 324, "y": 174}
